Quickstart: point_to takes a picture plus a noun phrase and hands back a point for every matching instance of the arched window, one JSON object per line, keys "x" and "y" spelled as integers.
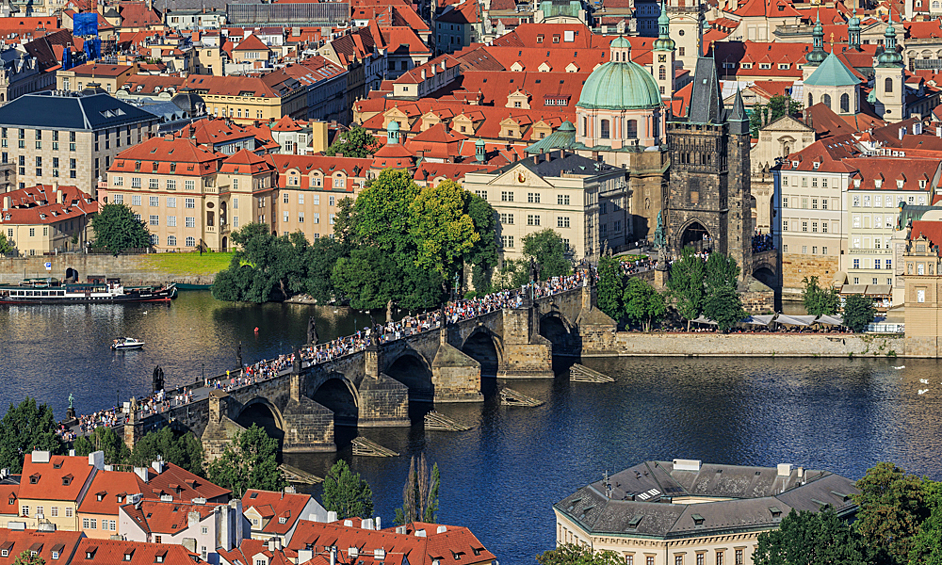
{"x": 631, "y": 130}
{"x": 810, "y": 100}
{"x": 827, "y": 100}
{"x": 935, "y": 5}
{"x": 845, "y": 103}
{"x": 662, "y": 73}
{"x": 888, "y": 85}
{"x": 605, "y": 129}
{"x": 585, "y": 126}
{"x": 191, "y": 241}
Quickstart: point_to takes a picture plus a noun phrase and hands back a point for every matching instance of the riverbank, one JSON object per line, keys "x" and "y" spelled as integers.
{"x": 149, "y": 268}
{"x": 634, "y": 344}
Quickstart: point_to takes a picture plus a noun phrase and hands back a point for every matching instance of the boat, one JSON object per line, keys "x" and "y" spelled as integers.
{"x": 189, "y": 286}
{"x": 98, "y": 290}
{"x": 123, "y": 343}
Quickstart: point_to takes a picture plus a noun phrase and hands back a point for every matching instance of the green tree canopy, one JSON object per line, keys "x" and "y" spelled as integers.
{"x": 321, "y": 257}
{"x": 724, "y": 307}
{"x": 721, "y": 271}
{"x": 685, "y": 284}
{"x": 346, "y": 493}
{"x": 547, "y": 248}
{"x": 419, "y": 494}
{"x": 811, "y": 538}
{"x": 180, "y": 448}
{"x": 368, "y": 277}
{"x": 892, "y": 507}
{"x": 381, "y": 212}
{"x": 927, "y": 544}
{"x": 575, "y": 554}
{"x": 116, "y": 229}
{"x": 249, "y": 461}
{"x": 858, "y": 312}
{"x": 819, "y": 301}
{"x": 104, "y": 439}
{"x": 28, "y": 558}
{"x": 485, "y": 252}
{"x": 441, "y": 227}
{"x": 264, "y": 267}
{"x": 26, "y": 427}
{"x": 643, "y": 304}
{"x": 5, "y": 246}
{"x": 357, "y": 142}
{"x": 611, "y": 288}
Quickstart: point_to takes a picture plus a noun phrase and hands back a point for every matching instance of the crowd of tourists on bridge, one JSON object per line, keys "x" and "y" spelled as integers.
{"x": 453, "y": 312}
{"x": 762, "y": 242}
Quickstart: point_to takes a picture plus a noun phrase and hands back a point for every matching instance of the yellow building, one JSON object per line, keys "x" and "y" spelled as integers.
{"x": 47, "y": 218}
{"x": 109, "y": 77}
{"x": 249, "y": 99}
{"x": 923, "y": 289}
{"x": 682, "y": 512}
{"x": 53, "y": 486}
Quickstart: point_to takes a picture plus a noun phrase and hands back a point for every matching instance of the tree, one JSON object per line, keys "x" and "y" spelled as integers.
{"x": 321, "y": 257}
{"x": 28, "y": 558}
{"x": 547, "y": 248}
{"x": 266, "y": 266}
{"x": 443, "y": 231}
{"x": 643, "y": 304}
{"x": 724, "y": 307}
{"x": 514, "y": 273}
{"x": 381, "y": 212}
{"x": 720, "y": 270}
{"x": 357, "y": 142}
{"x": 485, "y": 253}
{"x": 780, "y": 105}
{"x": 24, "y": 428}
{"x": 575, "y": 554}
{"x": 103, "y": 439}
{"x": 810, "y": 538}
{"x": 117, "y": 229}
{"x": 344, "y": 226}
{"x": 419, "y": 494}
{"x": 819, "y": 301}
{"x": 346, "y": 493}
{"x": 858, "y": 312}
{"x": 611, "y": 288}
{"x": 927, "y": 544}
{"x": 5, "y": 246}
{"x": 892, "y": 507}
{"x": 182, "y": 449}
{"x": 249, "y": 461}
{"x": 685, "y": 284}
{"x": 368, "y": 277}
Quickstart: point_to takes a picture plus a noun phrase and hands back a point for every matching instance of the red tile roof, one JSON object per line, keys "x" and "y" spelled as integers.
{"x": 251, "y": 43}
{"x": 245, "y": 162}
{"x": 96, "y": 69}
{"x": 157, "y": 517}
{"x": 8, "y": 499}
{"x": 276, "y": 506}
{"x": 892, "y": 170}
{"x": 305, "y": 164}
{"x": 37, "y": 205}
{"x": 184, "y": 485}
{"x": 119, "y": 552}
{"x": 61, "y": 542}
{"x": 251, "y": 547}
{"x": 767, "y": 8}
{"x": 137, "y": 14}
{"x": 162, "y": 155}
{"x": 932, "y": 230}
{"x": 109, "y": 490}
{"x": 62, "y": 478}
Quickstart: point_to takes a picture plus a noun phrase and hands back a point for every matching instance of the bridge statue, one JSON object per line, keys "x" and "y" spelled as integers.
{"x": 312, "y": 331}
{"x": 660, "y": 238}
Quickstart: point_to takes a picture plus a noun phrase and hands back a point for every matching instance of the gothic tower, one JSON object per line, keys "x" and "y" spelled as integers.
{"x": 664, "y": 48}
{"x": 709, "y": 200}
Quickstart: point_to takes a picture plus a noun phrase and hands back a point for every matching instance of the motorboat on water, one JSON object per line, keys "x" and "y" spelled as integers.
{"x": 124, "y": 343}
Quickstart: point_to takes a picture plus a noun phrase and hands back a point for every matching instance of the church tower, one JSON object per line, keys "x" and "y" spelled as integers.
{"x": 889, "y": 79}
{"x": 664, "y": 48}
{"x": 814, "y": 59}
{"x": 709, "y": 200}
{"x": 853, "y": 32}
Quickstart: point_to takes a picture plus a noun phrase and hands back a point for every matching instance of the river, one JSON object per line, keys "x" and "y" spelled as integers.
{"x": 502, "y": 477}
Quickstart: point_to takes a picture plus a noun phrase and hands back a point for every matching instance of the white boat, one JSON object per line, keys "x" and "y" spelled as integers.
{"x": 126, "y": 343}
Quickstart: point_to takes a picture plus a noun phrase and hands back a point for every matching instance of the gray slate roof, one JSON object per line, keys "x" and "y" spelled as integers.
{"x": 747, "y": 498}
{"x": 706, "y": 106}
{"x": 570, "y": 163}
{"x": 74, "y": 112}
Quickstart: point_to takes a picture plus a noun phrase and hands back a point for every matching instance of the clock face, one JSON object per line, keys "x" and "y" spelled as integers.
{"x": 521, "y": 178}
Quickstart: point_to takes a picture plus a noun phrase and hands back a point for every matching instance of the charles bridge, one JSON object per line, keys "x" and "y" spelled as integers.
{"x": 374, "y": 387}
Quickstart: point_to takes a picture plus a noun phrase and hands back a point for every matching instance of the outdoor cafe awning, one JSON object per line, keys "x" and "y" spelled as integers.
{"x": 704, "y": 320}
{"x": 759, "y": 320}
{"x": 795, "y": 320}
{"x": 831, "y": 320}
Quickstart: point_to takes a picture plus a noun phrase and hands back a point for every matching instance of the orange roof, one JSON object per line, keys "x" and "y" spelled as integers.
{"x": 37, "y": 205}
{"x": 245, "y": 162}
{"x": 184, "y": 485}
{"x": 96, "y": 69}
{"x": 252, "y": 547}
{"x": 286, "y": 124}
{"x": 931, "y": 230}
{"x": 767, "y": 8}
{"x": 61, "y": 478}
{"x": 120, "y": 552}
{"x": 158, "y": 517}
{"x": 305, "y": 164}
{"x": 251, "y": 43}
{"x": 167, "y": 155}
{"x": 284, "y": 509}
{"x": 109, "y": 490}
{"x": 8, "y": 493}
{"x": 60, "y": 542}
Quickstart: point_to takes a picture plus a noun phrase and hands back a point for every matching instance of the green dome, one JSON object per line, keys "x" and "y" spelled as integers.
{"x": 620, "y": 86}
{"x": 621, "y": 42}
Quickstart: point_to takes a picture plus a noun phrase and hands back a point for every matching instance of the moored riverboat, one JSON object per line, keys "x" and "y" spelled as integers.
{"x": 108, "y": 291}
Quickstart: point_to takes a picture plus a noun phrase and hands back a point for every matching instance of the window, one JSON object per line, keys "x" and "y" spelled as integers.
{"x": 740, "y": 552}
{"x": 286, "y": 213}
{"x": 605, "y": 129}
{"x": 856, "y": 263}
{"x": 533, "y": 219}
{"x": 889, "y": 264}
{"x": 629, "y": 560}
{"x": 507, "y": 241}
{"x": 285, "y": 197}
{"x": 562, "y": 221}
{"x": 876, "y": 265}
{"x": 171, "y": 202}
{"x": 814, "y": 203}
{"x": 119, "y": 199}
{"x": 920, "y": 295}
{"x": 190, "y": 241}
{"x": 171, "y": 184}
{"x": 153, "y": 184}
{"x": 300, "y": 198}
{"x": 824, "y": 201}
{"x": 301, "y": 217}
{"x": 154, "y": 220}
{"x": 172, "y": 240}
{"x": 678, "y": 560}
{"x": 171, "y": 221}
{"x": 68, "y": 511}
{"x": 135, "y": 181}
{"x": 507, "y": 219}
{"x": 54, "y": 511}
{"x": 719, "y": 558}
{"x": 888, "y": 85}
{"x": 700, "y": 559}
{"x": 317, "y": 218}
{"x": 506, "y": 196}
{"x": 190, "y": 222}
{"x": 189, "y": 185}
{"x": 562, "y": 200}
{"x": 154, "y": 201}
{"x": 117, "y": 181}
{"x": 533, "y": 197}
{"x": 824, "y": 251}
{"x": 785, "y": 202}
{"x": 85, "y": 524}
{"x": 135, "y": 200}
{"x": 330, "y": 201}
{"x": 804, "y": 226}
{"x": 189, "y": 203}
{"x": 330, "y": 219}
{"x": 824, "y": 227}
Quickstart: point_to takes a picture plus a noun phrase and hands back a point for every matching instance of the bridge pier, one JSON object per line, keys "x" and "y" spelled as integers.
{"x": 384, "y": 403}
{"x": 308, "y": 426}
{"x": 527, "y": 354}
{"x": 455, "y": 376}
{"x": 596, "y": 328}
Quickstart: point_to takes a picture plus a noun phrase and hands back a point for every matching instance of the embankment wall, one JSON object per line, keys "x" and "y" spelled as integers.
{"x": 131, "y": 269}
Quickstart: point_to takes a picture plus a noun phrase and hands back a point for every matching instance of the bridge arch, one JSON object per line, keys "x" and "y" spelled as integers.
{"x": 766, "y": 274}
{"x": 413, "y": 370}
{"x": 485, "y": 347}
{"x": 262, "y": 412}
{"x": 559, "y": 331}
{"x": 341, "y": 397}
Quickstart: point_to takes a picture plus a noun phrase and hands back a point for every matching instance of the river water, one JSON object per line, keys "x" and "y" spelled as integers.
{"x": 502, "y": 477}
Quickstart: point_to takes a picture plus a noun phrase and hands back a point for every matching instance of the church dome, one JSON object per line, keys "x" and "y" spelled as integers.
{"x": 620, "y": 86}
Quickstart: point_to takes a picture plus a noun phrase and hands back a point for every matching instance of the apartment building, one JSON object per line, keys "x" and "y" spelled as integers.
{"x": 276, "y": 515}
{"x": 249, "y": 99}
{"x": 53, "y": 486}
{"x": 205, "y": 527}
{"x": 109, "y": 77}
{"x": 69, "y": 137}
{"x": 585, "y": 201}
{"x": 109, "y": 490}
{"x": 47, "y": 218}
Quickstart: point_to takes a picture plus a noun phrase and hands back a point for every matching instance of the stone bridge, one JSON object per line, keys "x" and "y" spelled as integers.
{"x": 374, "y": 388}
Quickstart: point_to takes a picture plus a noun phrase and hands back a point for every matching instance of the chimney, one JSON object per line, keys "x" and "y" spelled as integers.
{"x": 784, "y": 469}
{"x": 6, "y": 199}
{"x": 271, "y": 545}
{"x": 278, "y": 544}
{"x": 141, "y": 472}
{"x": 366, "y": 524}
{"x": 96, "y": 459}
{"x": 902, "y": 133}
{"x": 379, "y": 523}
{"x": 158, "y": 466}
{"x": 331, "y": 516}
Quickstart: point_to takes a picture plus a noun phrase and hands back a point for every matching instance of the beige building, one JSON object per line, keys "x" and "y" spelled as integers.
{"x": 923, "y": 289}
{"x": 53, "y": 486}
{"x": 682, "y": 512}
{"x": 190, "y": 197}
{"x": 108, "y": 77}
{"x": 583, "y": 200}
{"x": 777, "y": 140}
{"x": 246, "y": 100}
{"x": 70, "y": 138}
{"x": 46, "y": 219}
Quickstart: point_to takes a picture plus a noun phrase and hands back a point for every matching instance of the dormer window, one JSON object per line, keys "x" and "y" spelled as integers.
{"x": 128, "y": 554}
{"x": 899, "y": 184}
{"x": 159, "y": 558}
{"x": 877, "y": 183}
{"x": 67, "y": 480}
{"x": 34, "y": 479}
{"x": 697, "y": 519}
{"x": 57, "y": 465}
{"x": 282, "y": 520}
{"x": 922, "y": 184}
{"x": 90, "y": 552}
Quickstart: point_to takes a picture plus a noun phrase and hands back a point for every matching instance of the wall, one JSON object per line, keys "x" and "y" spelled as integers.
{"x": 755, "y": 345}
{"x": 131, "y": 269}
